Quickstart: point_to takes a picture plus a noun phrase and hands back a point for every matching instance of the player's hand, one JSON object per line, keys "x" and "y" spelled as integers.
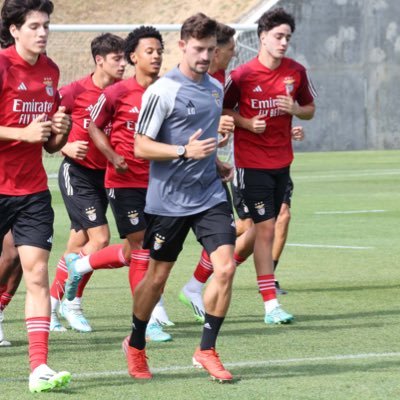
{"x": 225, "y": 129}
{"x": 119, "y": 163}
{"x": 39, "y": 130}
{"x": 298, "y": 133}
{"x": 256, "y": 124}
{"x": 287, "y": 104}
{"x": 225, "y": 170}
{"x": 61, "y": 122}
{"x": 199, "y": 149}
{"x": 76, "y": 150}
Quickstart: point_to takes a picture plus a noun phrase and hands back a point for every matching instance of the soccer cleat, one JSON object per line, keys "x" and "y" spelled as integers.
{"x": 55, "y": 324}
{"x": 137, "y": 363}
{"x": 195, "y": 302}
{"x": 209, "y": 360}
{"x": 155, "y": 333}
{"x": 160, "y": 315}
{"x": 279, "y": 290}
{"x": 3, "y": 342}
{"x": 44, "y": 379}
{"x": 278, "y": 316}
{"x": 72, "y": 312}
{"x": 74, "y": 277}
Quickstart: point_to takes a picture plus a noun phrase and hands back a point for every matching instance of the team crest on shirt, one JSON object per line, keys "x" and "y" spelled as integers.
{"x": 91, "y": 213}
{"x": 48, "y": 82}
{"x": 289, "y": 85}
{"x": 217, "y": 97}
{"x": 260, "y": 207}
{"x": 158, "y": 241}
{"x": 133, "y": 217}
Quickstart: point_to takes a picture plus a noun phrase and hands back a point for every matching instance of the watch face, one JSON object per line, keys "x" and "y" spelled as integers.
{"x": 181, "y": 150}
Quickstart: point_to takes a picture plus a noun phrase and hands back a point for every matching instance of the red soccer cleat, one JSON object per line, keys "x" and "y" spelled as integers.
{"x": 137, "y": 362}
{"x": 209, "y": 360}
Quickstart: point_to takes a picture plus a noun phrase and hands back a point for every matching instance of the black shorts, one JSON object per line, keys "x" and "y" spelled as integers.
{"x": 213, "y": 228}
{"x": 84, "y": 195}
{"x": 29, "y": 217}
{"x": 127, "y": 205}
{"x": 263, "y": 191}
{"x": 287, "y": 198}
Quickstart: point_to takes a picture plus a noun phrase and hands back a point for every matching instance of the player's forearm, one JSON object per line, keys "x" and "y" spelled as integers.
{"x": 305, "y": 112}
{"x": 55, "y": 143}
{"x": 239, "y": 120}
{"x": 149, "y": 149}
{"x": 9, "y": 133}
{"x": 101, "y": 141}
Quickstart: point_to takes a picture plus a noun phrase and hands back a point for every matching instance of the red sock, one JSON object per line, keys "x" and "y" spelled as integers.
{"x": 5, "y": 299}
{"x": 138, "y": 267}
{"x": 85, "y": 279}
{"x": 38, "y": 338}
{"x": 110, "y": 257}
{"x": 266, "y": 285}
{"x": 57, "y": 288}
{"x": 238, "y": 260}
{"x": 3, "y": 288}
{"x": 204, "y": 268}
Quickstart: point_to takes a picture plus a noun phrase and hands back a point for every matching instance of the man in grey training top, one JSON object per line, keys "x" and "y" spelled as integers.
{"x": 177, "y": 131}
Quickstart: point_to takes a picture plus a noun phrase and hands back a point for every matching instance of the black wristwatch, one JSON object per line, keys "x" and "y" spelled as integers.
{"x": 181, "y": 150}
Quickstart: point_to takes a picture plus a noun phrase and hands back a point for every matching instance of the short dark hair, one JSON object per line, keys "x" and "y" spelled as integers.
{"x": 14, "y": 12}
{"x": 224, "y": 34}
{"x": 106, "y": 43}
{"x": 143, "y": 32}
{"x": 198, "y": 26}
{"x": 276, "y": 17}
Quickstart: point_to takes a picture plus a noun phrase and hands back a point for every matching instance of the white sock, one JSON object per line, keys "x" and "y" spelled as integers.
{"x": 193, "y": 286}
{"x": 54, "y": 304}
{"x": 83, "y": 266}
{"x": 270, "y": 305}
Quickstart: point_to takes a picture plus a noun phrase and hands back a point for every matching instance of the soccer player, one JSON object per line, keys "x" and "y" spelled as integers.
{"x": 268, "y": 91}
{"x": 10, "y": 277}
{"x": 81, "y": 175}
{"x": 126, "y": 177}
{"x": 178, "y": 132}
{"x": 30, "y": 120}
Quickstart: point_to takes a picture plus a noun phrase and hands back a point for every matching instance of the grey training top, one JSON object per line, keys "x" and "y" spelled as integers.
{"x": 173, "y": 108}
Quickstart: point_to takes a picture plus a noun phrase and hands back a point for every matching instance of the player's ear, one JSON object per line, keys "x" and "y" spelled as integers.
{"x": 14, "y": 31}
{"x": 99, "y": 59}
{"x": 133, "y": 57}
{"x": 182, "y": 45}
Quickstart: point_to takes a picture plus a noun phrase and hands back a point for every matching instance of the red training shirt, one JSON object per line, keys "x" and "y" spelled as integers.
{"x": 120, "y": 104}
{"x": 254, "y": 89}
{"x": 26, "y": 92}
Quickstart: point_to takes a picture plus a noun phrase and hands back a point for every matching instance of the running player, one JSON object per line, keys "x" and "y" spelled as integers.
{"x": 268, "y": 90}
{"x": 126, "y": 176}
{"x": 184, "y": 191}
{"x": 30, "y": 119}
{"x": 81, "y": 175}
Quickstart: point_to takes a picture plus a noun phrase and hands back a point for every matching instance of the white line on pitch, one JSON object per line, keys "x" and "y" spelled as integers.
{"x": 339, "y": 357}
{"x": 328, "y": 246}
{"x": 345, "y": 174}
{"x": 350, "y": 212}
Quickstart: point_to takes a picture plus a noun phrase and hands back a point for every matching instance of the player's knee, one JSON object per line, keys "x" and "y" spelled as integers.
{"x": 225, "y": 272}
{"x": 100, "y": 242}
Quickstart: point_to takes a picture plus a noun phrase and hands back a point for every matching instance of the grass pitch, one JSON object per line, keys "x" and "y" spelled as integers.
{"x": 341, "y": 268}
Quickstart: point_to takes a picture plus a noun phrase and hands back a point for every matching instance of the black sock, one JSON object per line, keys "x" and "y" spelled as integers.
{"x": 275, "y": 264}
{"x": 211, "y": 328}
{"x": 138, "y": 337}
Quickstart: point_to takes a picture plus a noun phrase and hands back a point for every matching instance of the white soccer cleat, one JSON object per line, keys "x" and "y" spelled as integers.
{"x": 72, "y": 312}
{"x": 3, "y": 342}
{"x": 44, "y": 379}
{"x": 55, "y": 324}
{"x": 159, "y": 314}
{"x": 194, "y": 301}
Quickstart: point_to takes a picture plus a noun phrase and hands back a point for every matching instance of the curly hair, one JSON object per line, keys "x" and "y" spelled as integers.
{"x": 271, "y": 19}
{"x": 143, "y": 32}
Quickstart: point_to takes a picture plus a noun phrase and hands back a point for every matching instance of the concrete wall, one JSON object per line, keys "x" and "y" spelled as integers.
{"x": 351, "y": 49}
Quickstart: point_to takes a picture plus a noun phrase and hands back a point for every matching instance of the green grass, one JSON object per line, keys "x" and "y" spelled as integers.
{"x": 346, "y": 303}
